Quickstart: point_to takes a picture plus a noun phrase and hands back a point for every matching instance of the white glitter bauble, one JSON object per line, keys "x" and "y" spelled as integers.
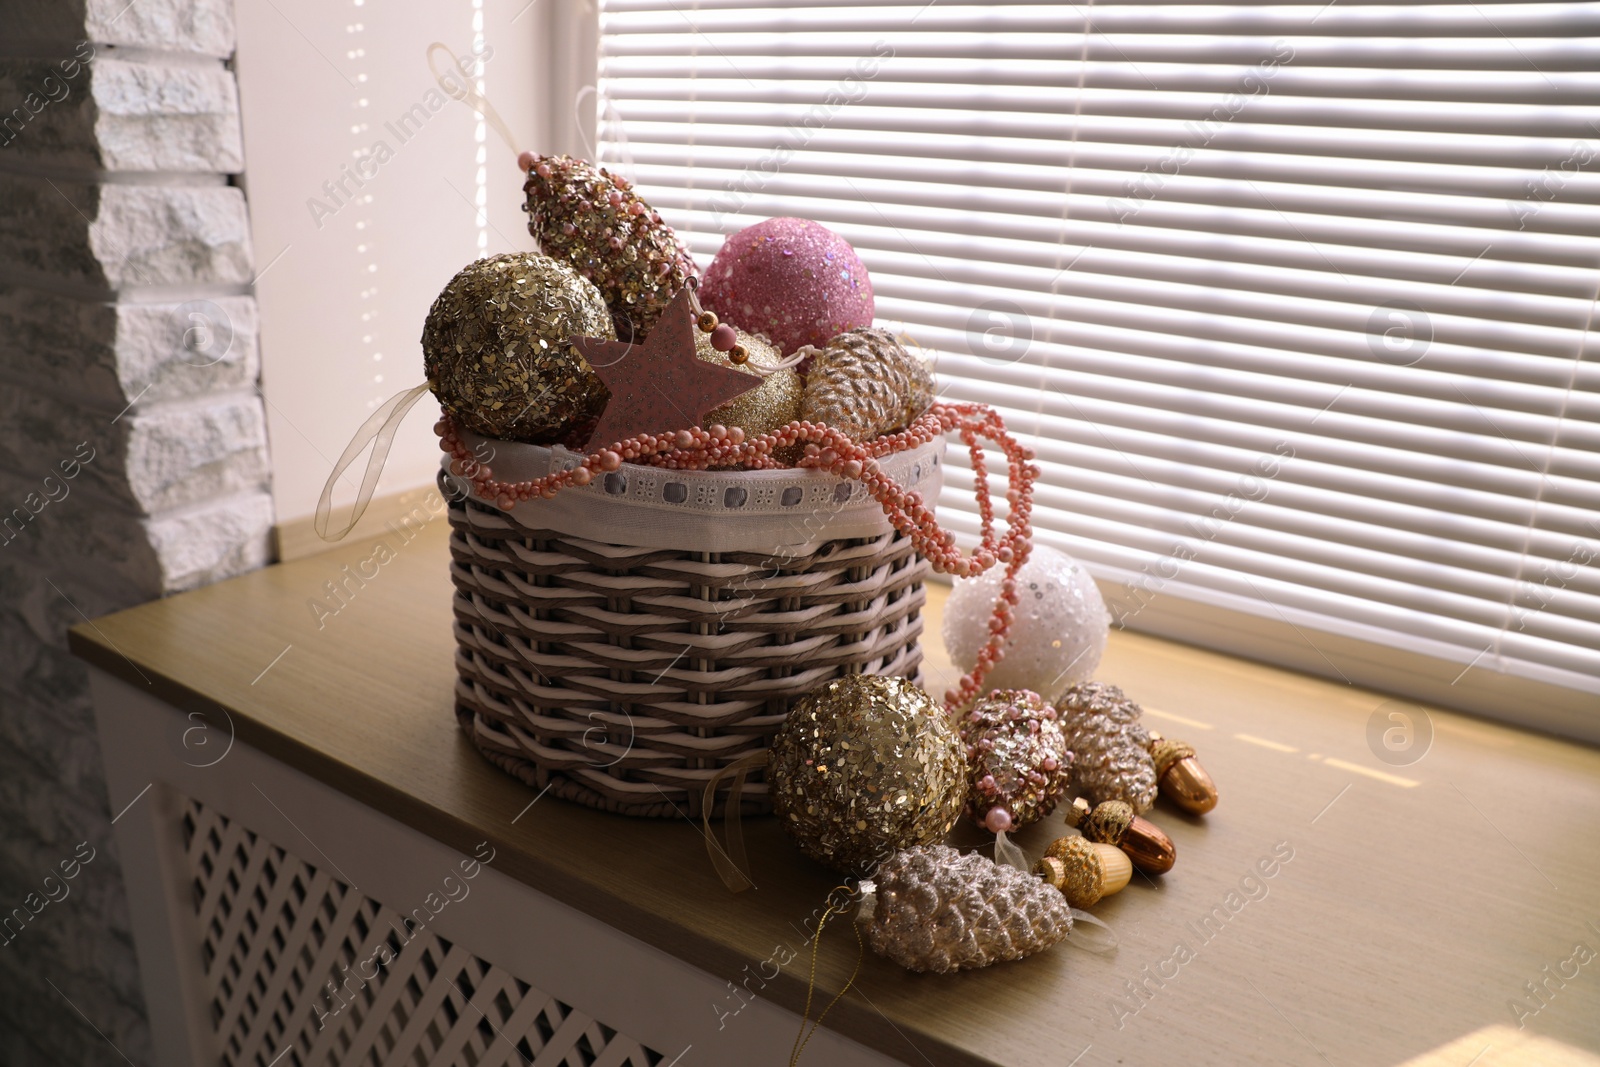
{"x": 1057, "y": 635}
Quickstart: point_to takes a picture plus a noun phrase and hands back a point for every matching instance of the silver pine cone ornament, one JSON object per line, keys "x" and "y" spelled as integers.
{"x": 931, "y": 908}
{"x": 1111, "y": 748}
{"x": 864, "y": 383}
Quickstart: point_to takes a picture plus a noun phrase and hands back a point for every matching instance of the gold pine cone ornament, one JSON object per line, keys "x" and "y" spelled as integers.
{"x": 1113, "y": 762}
{"x": 1017, "y": 760}
{"x": 596, "y": 222}
{"x": 933, "y": 909}
{"x": 864, "y": 383}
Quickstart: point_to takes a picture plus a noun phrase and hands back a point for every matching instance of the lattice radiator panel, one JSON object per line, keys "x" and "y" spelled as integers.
{"x": 276, "y": 931}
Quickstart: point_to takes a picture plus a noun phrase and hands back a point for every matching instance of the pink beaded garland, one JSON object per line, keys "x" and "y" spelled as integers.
{"x": 829, "y": 450}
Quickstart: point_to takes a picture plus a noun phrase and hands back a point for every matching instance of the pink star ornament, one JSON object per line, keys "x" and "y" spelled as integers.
{"x": 659, "y": 385}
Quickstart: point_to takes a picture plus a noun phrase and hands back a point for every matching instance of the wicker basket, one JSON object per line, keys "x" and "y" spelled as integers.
{"x": 626, "y": 675}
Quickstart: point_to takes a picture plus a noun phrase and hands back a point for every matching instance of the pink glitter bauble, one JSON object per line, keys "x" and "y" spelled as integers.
{"x": 793, "y": 280}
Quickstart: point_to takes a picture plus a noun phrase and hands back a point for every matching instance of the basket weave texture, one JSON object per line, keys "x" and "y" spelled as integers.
{"x": 626, "y": 677}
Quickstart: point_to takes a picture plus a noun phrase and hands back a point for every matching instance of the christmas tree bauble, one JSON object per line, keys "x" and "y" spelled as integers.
{"x": 1058, "y": 631}
{"x": 864, "y": 767}
{"x": 793, "y": 280}
{"x": 594, "y": 221}
{"x": 497, "y": 347}
{"x": 775, "y": 403}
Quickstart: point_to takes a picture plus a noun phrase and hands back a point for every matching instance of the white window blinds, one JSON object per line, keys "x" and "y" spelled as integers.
{"x": 1291, "y": 300}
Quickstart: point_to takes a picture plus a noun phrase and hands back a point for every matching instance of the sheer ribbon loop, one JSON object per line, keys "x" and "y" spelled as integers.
{"x": 1101, "y": 942}
{"x": 378, "y": 431}
{"x": 731, "y": 864}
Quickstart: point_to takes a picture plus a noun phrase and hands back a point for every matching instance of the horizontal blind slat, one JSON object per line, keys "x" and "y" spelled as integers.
{"x": 1164, "y": 239}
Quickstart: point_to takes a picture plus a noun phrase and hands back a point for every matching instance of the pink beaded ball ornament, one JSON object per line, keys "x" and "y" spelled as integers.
{"x": 1017, "y": 759}
{"x": 795, "y": 281}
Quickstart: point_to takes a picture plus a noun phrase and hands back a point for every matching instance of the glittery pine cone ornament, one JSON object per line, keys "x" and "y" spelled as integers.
{"x": 934, "y": 909}
{"x": 864, "y": 383}
{"x": 1102, "y": 728}
{"x": 596, "y": 222}
{"x": 497, "y": 347}
{"x": 773, "y": 404}
{"x": 864, "y": 767}
{"x": 1017, "y": 759}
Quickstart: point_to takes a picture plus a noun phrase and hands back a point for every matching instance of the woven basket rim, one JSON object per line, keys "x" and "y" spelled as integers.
{"x": 794, "y": 510}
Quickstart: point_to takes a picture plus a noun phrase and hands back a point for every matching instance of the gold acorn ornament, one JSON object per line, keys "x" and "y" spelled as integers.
{"x": 1113, "y": 762}
{"x": 864, "y": 383}
{"x": 1085, "y": 871}
{"x": 1017, "y": 760}
{"x": 863, "y": 767}
{"x": 1114, "y": 823}
{"x": 1181, "y": 778}
{"x": 932, "y": 908}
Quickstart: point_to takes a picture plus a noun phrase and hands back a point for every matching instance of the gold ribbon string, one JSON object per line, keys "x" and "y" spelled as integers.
{"x": 730, "y": 863}
{"x": 462, "y": 90}
{"x": 804, "y": 1036}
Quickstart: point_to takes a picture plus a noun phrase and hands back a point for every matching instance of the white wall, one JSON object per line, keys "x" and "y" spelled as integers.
{"x": 344, "y": 288}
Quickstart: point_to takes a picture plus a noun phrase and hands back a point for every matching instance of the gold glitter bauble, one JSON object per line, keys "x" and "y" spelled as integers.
{"x": 775, "y": 403}
{"x": 864, "y": 767}
{"x": 497, "y": 346}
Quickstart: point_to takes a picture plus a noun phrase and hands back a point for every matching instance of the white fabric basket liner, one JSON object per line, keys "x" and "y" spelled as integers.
{"x": 710, "y": 511}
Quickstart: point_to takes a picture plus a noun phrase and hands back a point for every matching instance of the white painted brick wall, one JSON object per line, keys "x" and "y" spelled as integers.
{"x": 199, "y": 27}
{"x": 151, "y": 459}
{"x": 115, "y": 353}
{"x": 112, "y": 114}
{"x": 126, "y": 329}
{"x": 118, "y": 236}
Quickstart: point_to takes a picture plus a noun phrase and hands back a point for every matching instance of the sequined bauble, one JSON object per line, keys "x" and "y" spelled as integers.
{"x": 1102, "y": 728}
{"x": 864, "y": 767}
{"x": 934, "y": 909}
{"x": 775, "y": 403}
{"x": 1018, "y": 763}
{"x": 793, "y": 280}
{"x": 1058, "y": 631}
{"x": 497, "y": 347}
{"x": 594, "y": 220}
{"x": 864, "y": 383}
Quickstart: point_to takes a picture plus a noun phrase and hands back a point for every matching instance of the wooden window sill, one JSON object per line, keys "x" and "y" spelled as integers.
{"x": 1417, "y": 903}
